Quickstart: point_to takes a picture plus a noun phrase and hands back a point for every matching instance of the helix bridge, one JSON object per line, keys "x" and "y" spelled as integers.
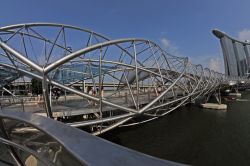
{"x": 92, "y": 82}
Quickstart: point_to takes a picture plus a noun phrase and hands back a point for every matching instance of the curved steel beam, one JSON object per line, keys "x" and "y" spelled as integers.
{"x": 83, "y": 146}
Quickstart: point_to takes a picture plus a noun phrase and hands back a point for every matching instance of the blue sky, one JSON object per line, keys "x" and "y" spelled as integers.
{"x": 182, "y": 27}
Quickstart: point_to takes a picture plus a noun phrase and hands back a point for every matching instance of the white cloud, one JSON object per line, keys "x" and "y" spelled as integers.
{"x": 213, "y": 62}
{"x": 169, "y": 46}
{"x": 216, "y": 64}
{"x": 244, "y": 34}
{"x": 165, "y": 42}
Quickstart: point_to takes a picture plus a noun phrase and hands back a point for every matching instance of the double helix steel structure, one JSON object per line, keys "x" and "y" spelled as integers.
{"x": 91, "y": 81}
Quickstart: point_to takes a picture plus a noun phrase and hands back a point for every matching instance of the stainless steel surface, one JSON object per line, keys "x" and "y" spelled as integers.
{"x": 138, "y": 67}
{"x": 147, "y": 82}
{"x": 82, "y": 146}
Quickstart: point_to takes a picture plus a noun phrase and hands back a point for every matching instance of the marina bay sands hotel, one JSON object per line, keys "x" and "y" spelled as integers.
{"x": 236, "y": 55}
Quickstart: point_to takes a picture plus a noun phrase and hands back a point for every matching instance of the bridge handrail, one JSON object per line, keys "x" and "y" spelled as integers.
{"x": 83, "y": 146}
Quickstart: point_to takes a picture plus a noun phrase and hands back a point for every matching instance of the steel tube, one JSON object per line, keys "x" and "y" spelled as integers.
{"x": 21, "y": 57}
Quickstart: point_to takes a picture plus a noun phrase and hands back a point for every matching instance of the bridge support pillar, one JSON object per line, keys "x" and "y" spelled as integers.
{"x": 234, "y": 92}
{"x": 216, "y": 106}
{"x": 47, "y": 102}
{"x": 217, "y": 96}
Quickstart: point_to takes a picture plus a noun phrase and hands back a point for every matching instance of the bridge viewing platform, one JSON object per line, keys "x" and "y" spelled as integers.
{"x": 90, "y": 81}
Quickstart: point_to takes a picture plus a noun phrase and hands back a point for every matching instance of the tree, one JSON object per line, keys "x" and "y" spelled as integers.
{"x": 36, "y": 86}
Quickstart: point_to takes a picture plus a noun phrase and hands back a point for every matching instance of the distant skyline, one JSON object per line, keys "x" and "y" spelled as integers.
{"x": 181, "y": 27}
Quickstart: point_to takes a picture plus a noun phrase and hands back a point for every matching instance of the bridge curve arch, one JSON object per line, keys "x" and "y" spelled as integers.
{"x": 91, "y": 81}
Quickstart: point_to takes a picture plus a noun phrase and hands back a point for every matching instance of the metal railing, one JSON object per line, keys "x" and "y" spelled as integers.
{"x": 28, "y": 139}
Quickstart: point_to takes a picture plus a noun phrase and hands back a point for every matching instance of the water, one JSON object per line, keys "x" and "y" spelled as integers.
{"x": 195, "y": 136}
